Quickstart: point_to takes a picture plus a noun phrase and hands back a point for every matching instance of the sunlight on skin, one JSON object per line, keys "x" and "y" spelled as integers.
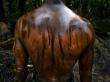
{"x": 55, "y": 38}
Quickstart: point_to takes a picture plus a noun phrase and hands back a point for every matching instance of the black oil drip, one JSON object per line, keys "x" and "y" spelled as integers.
{"x": 61, "y": 48}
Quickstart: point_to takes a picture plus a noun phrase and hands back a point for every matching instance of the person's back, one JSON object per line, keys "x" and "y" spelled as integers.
{"x": 54, "y": 38}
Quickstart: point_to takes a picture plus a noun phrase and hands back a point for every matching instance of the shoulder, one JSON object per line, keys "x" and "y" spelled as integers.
{"x": 91, "y": 31}
{"x": 84, "y": 25}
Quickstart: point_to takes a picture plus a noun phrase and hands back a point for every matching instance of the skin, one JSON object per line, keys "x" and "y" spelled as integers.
{"x": 53, "y": 51}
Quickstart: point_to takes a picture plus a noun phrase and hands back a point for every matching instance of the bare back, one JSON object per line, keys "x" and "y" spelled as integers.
{"x": 54, "y": 38}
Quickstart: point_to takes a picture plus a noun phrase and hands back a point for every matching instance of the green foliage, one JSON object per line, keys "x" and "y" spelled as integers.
{"x": 98, "y": 8}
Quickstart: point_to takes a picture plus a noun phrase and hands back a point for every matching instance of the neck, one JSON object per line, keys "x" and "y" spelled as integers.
{"x": 54, "y": 1}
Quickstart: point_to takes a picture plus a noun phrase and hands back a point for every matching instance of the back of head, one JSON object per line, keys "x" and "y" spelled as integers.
{"x": 54, "y": 1}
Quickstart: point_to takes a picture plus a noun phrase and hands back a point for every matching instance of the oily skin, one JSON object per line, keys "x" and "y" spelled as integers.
{"x": 53, "y": 50}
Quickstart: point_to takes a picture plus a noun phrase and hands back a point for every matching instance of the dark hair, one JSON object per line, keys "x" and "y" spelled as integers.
{"x": 54, "y": 1}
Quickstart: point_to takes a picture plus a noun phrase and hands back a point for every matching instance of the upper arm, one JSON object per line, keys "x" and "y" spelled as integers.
{"x": 19, "y": 49}
{"x": 20, "y": 54}
{"x": 86, "y": 64}
{"x": 86, "y": 59}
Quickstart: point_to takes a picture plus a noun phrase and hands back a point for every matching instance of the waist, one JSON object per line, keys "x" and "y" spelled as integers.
{"x": 54, "y": 79}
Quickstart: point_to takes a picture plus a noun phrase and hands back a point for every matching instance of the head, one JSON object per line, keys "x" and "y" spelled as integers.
{"x": 54, "y": 1}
